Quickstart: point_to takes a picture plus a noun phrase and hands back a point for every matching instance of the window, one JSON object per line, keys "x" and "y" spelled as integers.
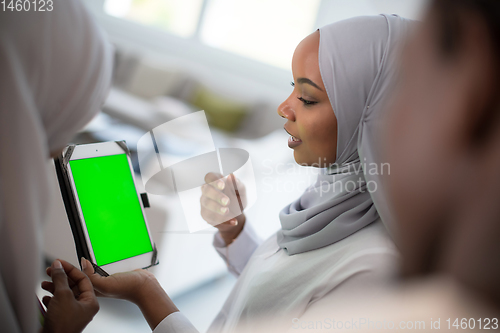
{"x": 263, "y": 30}
{"x": 179, "y": 17}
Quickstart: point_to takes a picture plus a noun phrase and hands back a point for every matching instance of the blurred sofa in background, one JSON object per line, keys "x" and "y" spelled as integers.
{"x": 170, "y": 93}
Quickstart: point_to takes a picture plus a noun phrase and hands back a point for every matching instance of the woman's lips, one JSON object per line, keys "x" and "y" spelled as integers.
{"x": 293, "y": 142}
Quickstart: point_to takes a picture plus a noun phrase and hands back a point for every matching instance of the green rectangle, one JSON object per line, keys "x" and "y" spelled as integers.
{"x": 111, "y": 208}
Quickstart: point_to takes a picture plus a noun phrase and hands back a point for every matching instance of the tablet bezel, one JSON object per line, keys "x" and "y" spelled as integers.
{"x": 99, "y": 150}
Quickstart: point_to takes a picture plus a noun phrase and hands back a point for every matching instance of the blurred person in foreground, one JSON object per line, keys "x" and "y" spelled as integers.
{"x": 55, "y": 71}
{"x": 445, "y": 132}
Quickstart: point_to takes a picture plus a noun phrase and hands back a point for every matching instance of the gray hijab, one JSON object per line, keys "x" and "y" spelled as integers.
{"x": 357, "y": 61}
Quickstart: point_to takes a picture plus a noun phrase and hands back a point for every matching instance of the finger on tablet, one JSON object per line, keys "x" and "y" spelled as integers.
{"x": 88, "y": 269}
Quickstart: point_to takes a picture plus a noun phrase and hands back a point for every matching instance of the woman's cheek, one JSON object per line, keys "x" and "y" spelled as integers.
{"x": 324, "y": 146}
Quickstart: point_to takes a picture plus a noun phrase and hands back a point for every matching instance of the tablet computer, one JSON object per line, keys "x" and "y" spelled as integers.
{"x": 105, "y": 209}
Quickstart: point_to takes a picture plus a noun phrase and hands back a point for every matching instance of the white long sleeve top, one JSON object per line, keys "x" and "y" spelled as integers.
{"x": 282, "y": 288}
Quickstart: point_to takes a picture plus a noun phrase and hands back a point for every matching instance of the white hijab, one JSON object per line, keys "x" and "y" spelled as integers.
{"x": 55, "y": 70}
{"x": 357, "y": 61}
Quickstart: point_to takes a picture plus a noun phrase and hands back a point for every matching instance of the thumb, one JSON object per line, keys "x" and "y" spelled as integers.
{"x": 99, "y": 282}
{"x": 59, "y": 277}
{"x": 94, "y": 278}
{"x": 87, "y": 267}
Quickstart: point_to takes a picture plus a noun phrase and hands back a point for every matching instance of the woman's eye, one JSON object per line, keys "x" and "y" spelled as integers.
{"x": 306, "y": 102}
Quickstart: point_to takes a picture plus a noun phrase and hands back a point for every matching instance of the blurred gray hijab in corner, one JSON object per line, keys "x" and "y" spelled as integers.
{"x": 357, "y": 61}
{"x": 55, "y": 72}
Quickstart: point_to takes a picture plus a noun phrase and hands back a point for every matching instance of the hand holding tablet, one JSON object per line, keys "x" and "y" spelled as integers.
{"x": 73, "y": 304}
{"x": 109, "y": 226}
{"x": 139, "y": 287}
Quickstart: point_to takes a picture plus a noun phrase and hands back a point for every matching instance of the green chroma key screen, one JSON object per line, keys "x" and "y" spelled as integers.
{"x": 110, "y": 207}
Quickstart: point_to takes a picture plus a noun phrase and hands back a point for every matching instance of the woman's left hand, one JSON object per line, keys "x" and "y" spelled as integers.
{"x": 73, "y": 304}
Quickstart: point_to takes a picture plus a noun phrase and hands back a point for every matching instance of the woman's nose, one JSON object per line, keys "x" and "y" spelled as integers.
{"x": 286, "y": 111}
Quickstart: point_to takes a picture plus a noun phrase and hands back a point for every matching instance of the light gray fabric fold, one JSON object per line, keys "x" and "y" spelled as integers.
{"x": 55, "y": 72}
{"x": 358, "y": 61}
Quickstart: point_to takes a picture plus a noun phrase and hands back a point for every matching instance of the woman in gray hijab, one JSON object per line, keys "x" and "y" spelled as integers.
{"x": 332, "y": 243}
{"x": 356, "y": 59}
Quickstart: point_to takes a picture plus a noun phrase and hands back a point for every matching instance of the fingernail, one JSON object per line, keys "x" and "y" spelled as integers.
{"x": 84, "y": 263}
{"x": 57, "y": 264}
{"x": 220, "y": 185}
{"x": 224, "y": 201}
{"x": 223, "y": 210}
{"x": 234, "y": 222}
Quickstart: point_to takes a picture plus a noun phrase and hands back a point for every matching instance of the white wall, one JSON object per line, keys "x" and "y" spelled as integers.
{"x": 231, "y": 74}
